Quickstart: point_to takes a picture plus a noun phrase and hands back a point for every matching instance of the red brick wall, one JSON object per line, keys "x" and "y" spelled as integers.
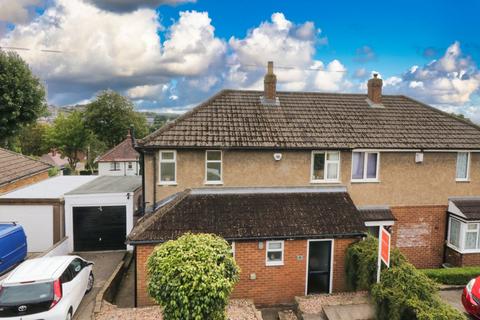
{"x": 24, "y": 182}
{"x": 272, "y": 284}
{"x": 419, "y": 233}
{"x": 462, "y": 260}
{"x": 339, "y": 279}
{"x": 142, "y": 253}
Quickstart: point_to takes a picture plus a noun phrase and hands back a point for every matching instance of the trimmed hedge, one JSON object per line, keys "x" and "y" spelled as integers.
{"x": 404, "y": 293}
{"x": 192, "y": 277}
{"x": 452, "y": 276}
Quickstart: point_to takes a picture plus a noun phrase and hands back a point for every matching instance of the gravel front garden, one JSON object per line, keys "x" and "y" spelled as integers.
{"x": 236, "y": 310}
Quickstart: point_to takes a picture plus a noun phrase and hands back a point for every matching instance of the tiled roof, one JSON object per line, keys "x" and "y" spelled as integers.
{"x": 252, "y": 216}
{"x": 14, "y": 166}
{"x": 237, "y": 119}
{"x": 470, "y": 208}
{"x": 376, "y": 214}
{"x": 123, "y": 151}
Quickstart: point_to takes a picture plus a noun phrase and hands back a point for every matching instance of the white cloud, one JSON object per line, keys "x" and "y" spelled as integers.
{"x": 132, "y": 5}
{"x": 101, "y": 49}
{"x": 451, "y": 80}
{"x": 292, "y": 48}
{"x": 17, "y": 11}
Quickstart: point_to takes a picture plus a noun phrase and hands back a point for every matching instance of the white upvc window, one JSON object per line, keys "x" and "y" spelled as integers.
{"x": 168, "y": 167}
{"x": 463, "y": 166}
{"x": 114, "y": 166}
{"x": 464, "y": 236}
{"x": 274, "y": 253}
{"x": 365, "y": 166}
{"x": 213, "y": 167}
{"x": 325, "y": 166}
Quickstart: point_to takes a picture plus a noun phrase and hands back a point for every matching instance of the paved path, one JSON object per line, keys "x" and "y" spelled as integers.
{"x": 105, "y": 263}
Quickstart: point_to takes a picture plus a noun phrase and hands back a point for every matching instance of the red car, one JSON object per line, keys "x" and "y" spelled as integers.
{"x": 471, "y": 297}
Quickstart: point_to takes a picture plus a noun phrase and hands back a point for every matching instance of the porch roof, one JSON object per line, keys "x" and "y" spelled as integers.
{"x": 467, "y": 208}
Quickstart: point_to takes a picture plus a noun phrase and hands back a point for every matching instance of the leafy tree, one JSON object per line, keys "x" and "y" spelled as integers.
{"x": 111, "y": 115}
{"x": 22, "y": 96}
{"x": 70, "y": 136}
{"x": 192, "y": 277}
{"x": 32, "y": 139}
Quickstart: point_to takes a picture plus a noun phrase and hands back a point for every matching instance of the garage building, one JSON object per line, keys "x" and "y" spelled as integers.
{"x": 101, "y": 213}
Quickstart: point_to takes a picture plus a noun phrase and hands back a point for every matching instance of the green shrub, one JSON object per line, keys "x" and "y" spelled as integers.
{"x": 362, "y": 260}
{"x": 192, "y": 277}
{"x": 405, "y": 293}
{"x": 452, "y": 276}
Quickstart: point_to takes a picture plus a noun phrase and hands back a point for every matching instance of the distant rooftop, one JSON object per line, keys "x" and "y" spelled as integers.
{"x": 53, "y": 188}
{"x": 15, "y": 166}
{"x": 123, "y": 151}
{"x": 109, "y": 184}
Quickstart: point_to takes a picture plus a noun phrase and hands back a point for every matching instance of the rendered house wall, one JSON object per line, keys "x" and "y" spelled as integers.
{"x": 402, "y": 182}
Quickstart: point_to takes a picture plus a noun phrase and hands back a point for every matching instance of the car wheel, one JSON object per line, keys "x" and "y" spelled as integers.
{"x": 69, "y": 315}
{"x": 91, "y": 281}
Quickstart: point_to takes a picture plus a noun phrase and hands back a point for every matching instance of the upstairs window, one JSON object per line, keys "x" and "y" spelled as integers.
{"x": 365, "y": 166}
{"x": 325, "y": 166}
{"x": 463, "y": 163}
{"x": 274, "y": 253}
{"x": 213, "y": 167}
{"x": 168, "y": 167}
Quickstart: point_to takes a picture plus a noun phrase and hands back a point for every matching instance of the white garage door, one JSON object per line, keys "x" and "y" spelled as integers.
{"x": 37, "y": 221}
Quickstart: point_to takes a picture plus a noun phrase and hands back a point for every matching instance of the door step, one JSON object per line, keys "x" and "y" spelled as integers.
{"x": 287, "y": 315}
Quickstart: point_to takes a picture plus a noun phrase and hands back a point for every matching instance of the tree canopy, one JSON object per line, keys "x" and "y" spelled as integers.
{"x": 192, "y": 277}
{"x": 22, "y": 96}
{"x": 110, "y": 116}
{"x": 69, "y": 135}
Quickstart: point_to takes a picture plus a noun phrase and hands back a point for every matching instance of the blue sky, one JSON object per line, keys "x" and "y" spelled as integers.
{"x": 168, "y": 55}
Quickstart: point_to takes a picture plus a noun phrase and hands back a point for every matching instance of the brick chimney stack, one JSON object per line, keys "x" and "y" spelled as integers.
{"x": 375, "y": 89}
{"x": 270, "y": 83}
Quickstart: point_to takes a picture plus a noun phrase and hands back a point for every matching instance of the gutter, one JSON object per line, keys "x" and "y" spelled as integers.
{"x": 324, "y": 236}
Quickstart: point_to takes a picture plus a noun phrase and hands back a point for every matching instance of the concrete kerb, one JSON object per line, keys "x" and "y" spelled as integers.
{"x": 111, "y": 283}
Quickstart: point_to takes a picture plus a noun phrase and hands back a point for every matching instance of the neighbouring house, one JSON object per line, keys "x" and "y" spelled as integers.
{"x": 55, "y": 158}
{"x": 121, "y": 160}
{"x": 94, "y": 213}
{"x": 17, "y": 170}
{"x": 405, "y": 166}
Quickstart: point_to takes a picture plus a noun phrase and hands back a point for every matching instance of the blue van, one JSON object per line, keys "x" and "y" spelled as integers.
{"x": 13, "y": 246}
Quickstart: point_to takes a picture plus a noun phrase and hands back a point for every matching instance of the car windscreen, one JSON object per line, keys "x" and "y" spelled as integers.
{"x": 26, "y": 293}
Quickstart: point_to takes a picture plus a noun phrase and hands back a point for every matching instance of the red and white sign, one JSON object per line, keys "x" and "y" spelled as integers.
{"x": 385, "y": 246}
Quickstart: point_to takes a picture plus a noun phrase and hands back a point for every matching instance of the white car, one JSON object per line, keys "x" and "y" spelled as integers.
{"x": 48, "y": 288}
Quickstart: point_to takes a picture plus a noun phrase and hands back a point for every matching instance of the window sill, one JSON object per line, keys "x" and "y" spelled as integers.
{"x": 167, "y": 184}
{"x": 465, "y": 251}
{"x": 213, "y": 183}
{"x": 365, "y": 181}
{"x": 274, "y": 264}
{"x": 462, "y": 180}
{"x": 325, "y": 182}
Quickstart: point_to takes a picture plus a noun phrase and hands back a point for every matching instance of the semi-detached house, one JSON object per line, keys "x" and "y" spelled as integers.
{"x": 292, "y": 178}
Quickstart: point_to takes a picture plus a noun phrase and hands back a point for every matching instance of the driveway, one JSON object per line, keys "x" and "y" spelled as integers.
{"x": 454, "y": 298}
{"x": 105, "y": 263}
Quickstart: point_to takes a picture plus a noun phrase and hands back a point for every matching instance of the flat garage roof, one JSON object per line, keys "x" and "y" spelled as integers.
{"x": 53, "y": 188}
{"x": 109, "y": 184}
